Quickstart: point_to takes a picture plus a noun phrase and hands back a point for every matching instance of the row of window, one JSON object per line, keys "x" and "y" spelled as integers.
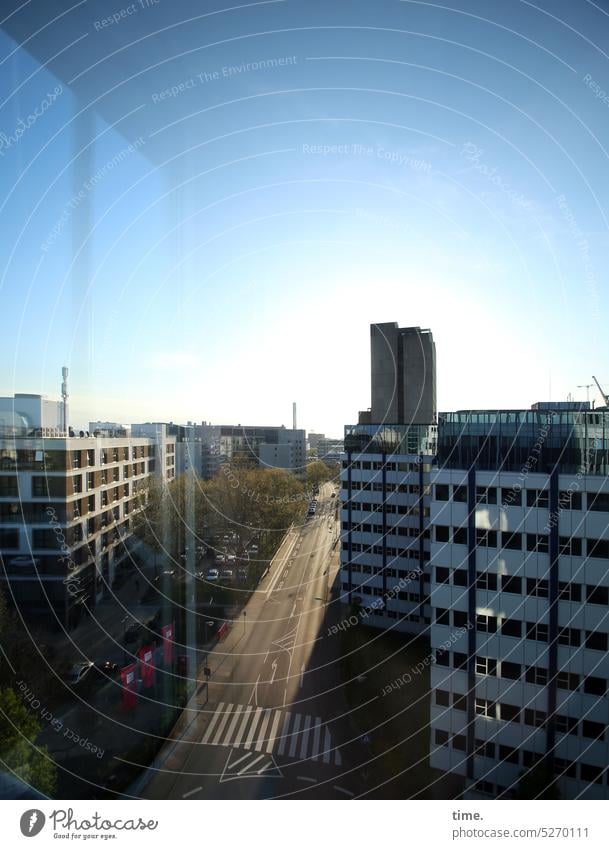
{"x": 377, "y": 486}
{"x": 516, "y": 497}
{"x": 377, "y": 465}
{"x": 522, "y": 757}
{"x": 392, "y": 530}
{"x": 591, "y": 684}
{"x": 538, "y": 631}
{"x": 366, "y": 569}
{"x": 403, "y": 553}
{"x": 536, "y": 587}
{"x": 515, "y": 541}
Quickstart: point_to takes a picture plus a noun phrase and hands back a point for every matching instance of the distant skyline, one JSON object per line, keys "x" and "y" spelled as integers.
{"x": 217, "y": 250}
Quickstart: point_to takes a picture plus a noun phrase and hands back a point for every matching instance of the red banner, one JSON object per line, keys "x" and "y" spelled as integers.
{"x": 167, "y": 631}
{"x": 146, "y": 656}
{"x": 129, "y": 682}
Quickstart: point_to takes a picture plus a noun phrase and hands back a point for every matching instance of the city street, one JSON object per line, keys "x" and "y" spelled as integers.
{"x": 270, "y": 723}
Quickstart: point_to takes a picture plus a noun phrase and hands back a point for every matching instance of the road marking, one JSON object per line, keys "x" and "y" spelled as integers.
{"x": 294, "y": 741}
{"x": 306, "y": 778}
{"x": 213, "y": 723}
{"x": 274, "y": 668}
{"x": 285, "y": 697}
{"x": 243, "y": 725}
{"x": 259, "y": 745}
{"x": 316, "y": 737}
{"x": 273, "y": 731}
{"x": 293, "y": 609}
{"x": 327, "y": 747}
{"x": 240, "y": 760}
{"x": 302, "y": 672}
{"x": 250, "y": 765}
{"x": 231, "y": 728}
{"x": 254, "y": 695}
{"x": 250, "y": 736}
{"x": 284, "y": 734}
{"x": 191, "y": 792}
{"x": 222, "y": 726}
{"x": 305, "y": 737}
{"x": 342, "y": 790}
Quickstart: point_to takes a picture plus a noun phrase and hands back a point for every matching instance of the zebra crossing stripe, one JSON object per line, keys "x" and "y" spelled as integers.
{"x": 213, "y": 723}
{"x": 316, "y": 737}
{"x": 222, "y": 726}
{"x": 250, "y": 735}
{"x": 273, "y": 731}
{"x": 284, "y": 734}
{"x": 259, "y": 744}
{"x": 294, "y": 735}
{"x": 305, "y": 737}
{"x": 256, "y": 729}
{"x": 243, "y": 725}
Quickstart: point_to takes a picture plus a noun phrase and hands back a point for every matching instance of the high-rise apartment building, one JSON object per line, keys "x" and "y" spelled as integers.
{"x": 403, "y": 366}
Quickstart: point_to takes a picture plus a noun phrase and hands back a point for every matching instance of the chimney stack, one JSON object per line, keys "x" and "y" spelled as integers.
{"x": 64, "y": 399}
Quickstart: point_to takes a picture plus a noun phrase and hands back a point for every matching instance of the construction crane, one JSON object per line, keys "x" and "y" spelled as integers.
{"x": 587, "y": 387}
{"x": 603, "y": 396}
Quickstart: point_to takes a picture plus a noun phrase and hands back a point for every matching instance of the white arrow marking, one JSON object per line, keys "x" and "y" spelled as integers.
{"x": 274, "y": 668}
{"x": 302, "y": 671}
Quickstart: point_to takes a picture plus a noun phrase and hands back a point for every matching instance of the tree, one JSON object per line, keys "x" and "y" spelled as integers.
{"x": 19, "y": 729}
{"x": 318, "y": 473}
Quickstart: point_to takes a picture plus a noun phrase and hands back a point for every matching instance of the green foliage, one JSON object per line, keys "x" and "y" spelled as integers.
{"x": 18, "y": 731}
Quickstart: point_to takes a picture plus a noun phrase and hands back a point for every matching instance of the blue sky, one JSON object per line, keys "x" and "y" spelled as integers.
{"x": 403, "y": 162}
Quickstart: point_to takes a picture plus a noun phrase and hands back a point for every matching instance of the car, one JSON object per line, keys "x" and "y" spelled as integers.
{"x": 212, "y": 574}
{"x": 200, "y": 576}
{"x": 166, "y": 573}
{"x": 226, "y": 575}
{"x": 253, "y": 549}
{"x": 78, "y": 672}
{"x": 220, "y": 558}
{"x": 107, "y": 668}
{"x": 242, "y": 575}
{"x": 231, "y": 558}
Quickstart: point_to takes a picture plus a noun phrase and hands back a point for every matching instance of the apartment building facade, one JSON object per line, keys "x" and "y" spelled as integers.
{"x": 385, "y": 503}
{"x": 519, "y": 577}
{"x": 66, "y": 508}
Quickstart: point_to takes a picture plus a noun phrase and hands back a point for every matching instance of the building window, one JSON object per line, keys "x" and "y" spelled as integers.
{"x": 460, "y": 493}
{"x": 441, "y": 533}
{"x": 508, "y": 754}
{"x": 569, "y": 636}
{"x": 537, "y": 587}
{"x": 511, "y": 540}
{"x": 511, "y": 497}
{"x": 486, "y": 581}
{"x": 567, "y": 680}
{"x": 598, "y": 502}
{"x": 442, "y": 616}
{"x": 537, "y": 497}
{"x": 443, "y": 698}
{"x": 459, "y": 742}
{"x": 592, "y": 774}
{"x": 487, "y": 624}
{"x": 459, "y": 618}
{"x": 460, "y": 536}
{"x": 596, "y": 640}
{"x": 441, "y": 737}
{"x": 536, "y": 675}
{"x": 9, "y": 538}
{"x": 569, "y": 592}
{"x": 8, "y": 485}
{"x": 597, "y": 595}
{"x": 565, "y": 768}
{"x": 537, "y": 542}
{"x": 459, "y": 660}
{"x": 598, "y": 548}
{"x": 511, "y": 628}
{"x": 485, "y": 707}
{"x": 595, "y": 686}
{"x": 510, "y": 670}
{"x": 593, "y": 730}
{"x": 537, "y": 631}
{"x": 460, "y": 578}
{"x": 509, "y": 713}
{"x": 459, "y": 702}
{"x": 511, "y": 584}
{"x": 486, "y": 666}
{"x": 442, "y": 575}
{"x": 90, "y": 456}
{"x": 442, "y": 493}
{"x": 536, "y": 718}
{"x": 486, "y": 495}
{"x": 566, "y": 724}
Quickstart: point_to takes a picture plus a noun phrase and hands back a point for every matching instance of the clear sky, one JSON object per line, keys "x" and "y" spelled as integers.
{"x": 218, "y": 250}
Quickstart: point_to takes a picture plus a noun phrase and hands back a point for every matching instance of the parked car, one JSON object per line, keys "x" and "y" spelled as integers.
{"x": 253, "y": 549}
{"x": 231, "y": 558}
{"x": 212, "y": 574}
{"x": 220, "y": 558}
{"x": 242, "y": 576}
{"x": 226, "y": 575}
{"x": 78, "y": 672}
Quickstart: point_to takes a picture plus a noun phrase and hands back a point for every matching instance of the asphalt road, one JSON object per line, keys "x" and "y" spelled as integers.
{"x": 269, "y": 724}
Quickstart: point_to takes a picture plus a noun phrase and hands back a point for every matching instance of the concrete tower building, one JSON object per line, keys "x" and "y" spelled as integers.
{"x": 403, "y": 364}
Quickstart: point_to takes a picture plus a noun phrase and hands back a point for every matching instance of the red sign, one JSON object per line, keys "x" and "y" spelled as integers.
{"x": 146, "y": 656}
{"x": 223, "y": 630}
{"x": 129, "y": 682}
{"x": 167, "y": 631}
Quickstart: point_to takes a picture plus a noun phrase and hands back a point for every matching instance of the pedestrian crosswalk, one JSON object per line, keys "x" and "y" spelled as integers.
{"x": 272, "y": 732}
